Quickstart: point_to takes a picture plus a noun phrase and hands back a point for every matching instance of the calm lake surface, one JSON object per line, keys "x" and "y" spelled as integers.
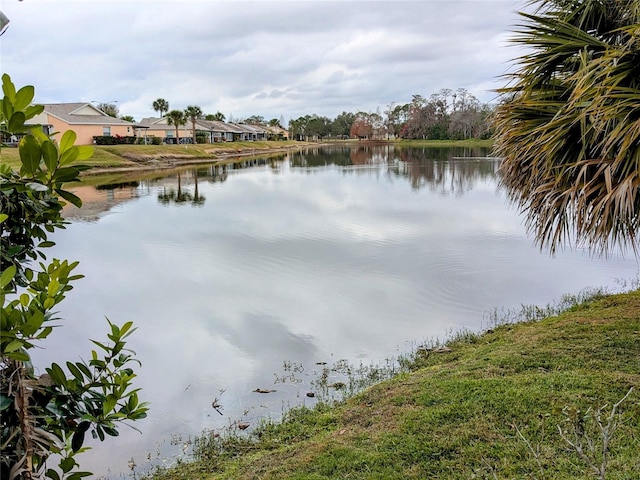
{"x": 314, "y": 256}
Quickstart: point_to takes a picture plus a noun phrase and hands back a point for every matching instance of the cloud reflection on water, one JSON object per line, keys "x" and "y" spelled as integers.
{"x": 309, "y": 259}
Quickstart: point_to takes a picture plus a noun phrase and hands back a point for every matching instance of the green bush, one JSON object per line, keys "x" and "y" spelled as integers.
{"x": 115, "y": 140}
{"x": 49, "y": 414}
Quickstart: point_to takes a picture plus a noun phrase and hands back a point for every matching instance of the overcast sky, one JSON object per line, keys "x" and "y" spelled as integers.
{"x": 274, "y": 59}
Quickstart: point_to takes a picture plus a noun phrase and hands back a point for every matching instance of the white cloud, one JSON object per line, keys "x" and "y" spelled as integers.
{"x": 256, "y": 58}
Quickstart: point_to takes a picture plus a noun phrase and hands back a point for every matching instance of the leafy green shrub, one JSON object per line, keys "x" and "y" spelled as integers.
{"x": 50, "y": 414}
{"x": 105, "y": 140}
{"x": 114, "y": 140}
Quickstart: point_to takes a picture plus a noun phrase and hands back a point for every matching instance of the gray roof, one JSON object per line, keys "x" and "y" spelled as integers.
{"x": 246, "y": 127}
{"x": 81, "y": 114}
{"x": 150, "y": 121}
{"x": 207, "y": 125}
{"x": 217, "y": 126}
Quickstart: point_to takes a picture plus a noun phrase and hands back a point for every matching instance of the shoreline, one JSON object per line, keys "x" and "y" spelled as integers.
{"x": 168, "y": 162}
{"x": 388, "y": 426}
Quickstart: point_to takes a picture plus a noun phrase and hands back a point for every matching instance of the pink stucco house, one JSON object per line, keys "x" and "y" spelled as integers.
{"x": 84, "y": 119}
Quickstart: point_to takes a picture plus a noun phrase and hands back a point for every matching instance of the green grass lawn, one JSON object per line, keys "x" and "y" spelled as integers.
{"x": 470, "y": 143}
{"x": 491, "y": 407}
{"x": 135, "y": 155}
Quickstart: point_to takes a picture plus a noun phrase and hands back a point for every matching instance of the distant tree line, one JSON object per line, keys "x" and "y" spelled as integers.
{"x": 445, "y": 115}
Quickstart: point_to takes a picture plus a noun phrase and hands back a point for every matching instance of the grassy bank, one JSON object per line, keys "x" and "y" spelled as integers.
{"x": 470, "y": 143}
{"x": 487, "y": 406}
{"x": 150, "y": 156}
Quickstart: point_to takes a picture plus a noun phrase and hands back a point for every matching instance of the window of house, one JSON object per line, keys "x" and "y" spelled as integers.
{"x": 106, "y": 131}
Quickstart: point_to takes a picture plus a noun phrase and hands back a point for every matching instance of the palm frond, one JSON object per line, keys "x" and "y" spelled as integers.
{"x": 569, "y": 130}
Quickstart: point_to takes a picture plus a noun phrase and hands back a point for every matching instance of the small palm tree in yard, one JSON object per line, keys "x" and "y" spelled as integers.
{"x": 569, "y": 127}
{"x": 193, "y": 113}
{"x": 176, "y": 118}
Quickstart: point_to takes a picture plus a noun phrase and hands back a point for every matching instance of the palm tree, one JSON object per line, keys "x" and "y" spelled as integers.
{"x": 160, "y": 105}
{"x": 218, "y": 116}
{"x": 569, "y": 127}
{"x": 177, "y": 118}
{"x": 193, "y": 113}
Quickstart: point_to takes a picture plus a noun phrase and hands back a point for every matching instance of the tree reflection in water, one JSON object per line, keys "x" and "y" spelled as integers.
{"x": 167, "y": 196}
{"x": 443, "y": 170}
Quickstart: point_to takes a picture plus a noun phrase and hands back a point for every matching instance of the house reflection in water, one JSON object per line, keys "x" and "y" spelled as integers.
{"x": 444, "y": 170}
{"x": 96, "y": 201}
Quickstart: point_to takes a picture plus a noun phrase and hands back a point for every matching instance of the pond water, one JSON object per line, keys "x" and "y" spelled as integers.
{"x": 311, "y": 257}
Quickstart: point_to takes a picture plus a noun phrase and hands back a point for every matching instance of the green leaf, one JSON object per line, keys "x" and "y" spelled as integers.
{"x": 75, "y": 371}
{"x": 115, "y": 330}
{"x": 52, "y": 474}
{"x": 84, "y": 152}
{"x": 7, "y": 276}
{"x": 45, "y": 332}
{"x": 24, "y": 97}
{"x": 111, "y": 431}
{"x": 78, "y": 475}
{"x": 66, "y": 464}
{"x": 125, "y": 328}
{"x": 7, "y": 109}
{"x": 24, "y": 299}
{"x": 67, "y": 140}
{"x": 12, "y": 346}
{"x": 50, "y": 155}
{"x": 29, "y": 150}
{"x": 3, "y": 217}
{"x": 57, "y": 375}
{"x": 139, "y": 414}
{"x": 70, "y": 197}
{"x": 53, "y": 287}
{"x": 21, "y": 356}
{"x": 16, "y": 122}
{"x": 33, "y": 110}
{"x": 8, "y": 88}
{"x": 70, "y": 155}
{"x": 38, "y": 133}
{"x": 132, "y": 403}
{"x": 117, "y": 347}
{"x": 85, "y": 369}
{"x": 78, "y": 436}
{"x": 33, "y": 324}
{"x": 66, "y": 174}
{"x": 109, "y": 404}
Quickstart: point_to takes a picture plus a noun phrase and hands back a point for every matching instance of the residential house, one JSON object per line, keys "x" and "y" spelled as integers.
{"x": 84, "y": 119}
{"x": 218, "y": 131}
{"x": 250, "y": 133}
{"x": 159, "y": 127}
{"x": 276, "y": 132}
